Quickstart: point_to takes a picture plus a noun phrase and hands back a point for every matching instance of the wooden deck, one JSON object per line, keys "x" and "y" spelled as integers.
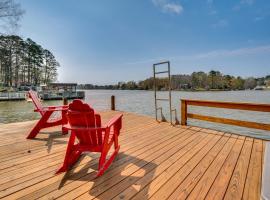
{"x": 156, "y": 161}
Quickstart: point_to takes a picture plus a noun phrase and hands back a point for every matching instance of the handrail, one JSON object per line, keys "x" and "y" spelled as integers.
{"x": 228, "y": 105}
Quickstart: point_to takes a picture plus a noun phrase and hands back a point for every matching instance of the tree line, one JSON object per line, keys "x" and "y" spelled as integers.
{"x": 197, "y": 81}
{"x": 25, "y": 62}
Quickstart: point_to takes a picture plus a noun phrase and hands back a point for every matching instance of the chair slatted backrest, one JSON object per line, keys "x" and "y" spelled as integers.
{"x": 34, "y": 96}
{"x": 82, "y": 115}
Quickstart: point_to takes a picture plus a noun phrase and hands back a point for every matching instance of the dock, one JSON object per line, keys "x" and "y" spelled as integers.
{"x": 156, "y": 161}
{"x": 21, "y": 96}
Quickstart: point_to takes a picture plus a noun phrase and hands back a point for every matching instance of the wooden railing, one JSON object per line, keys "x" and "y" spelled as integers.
{"x": 228, "y": 105}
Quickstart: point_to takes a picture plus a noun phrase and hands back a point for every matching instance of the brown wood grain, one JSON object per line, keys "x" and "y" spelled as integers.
{"x": 237, "y": 182}
{"x": 254, "y": 176}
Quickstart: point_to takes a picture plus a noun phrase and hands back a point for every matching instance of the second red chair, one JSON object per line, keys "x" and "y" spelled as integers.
{"x": 85, "y": 125}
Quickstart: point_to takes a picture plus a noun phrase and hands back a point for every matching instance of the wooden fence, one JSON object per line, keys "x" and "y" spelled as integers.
{"x": 228, "y": 105}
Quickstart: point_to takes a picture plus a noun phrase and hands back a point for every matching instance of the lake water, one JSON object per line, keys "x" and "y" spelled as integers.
{"x": 142, "y": 102}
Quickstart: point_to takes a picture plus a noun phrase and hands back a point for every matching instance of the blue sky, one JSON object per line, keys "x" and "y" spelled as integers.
{"x": 103, "y": 42}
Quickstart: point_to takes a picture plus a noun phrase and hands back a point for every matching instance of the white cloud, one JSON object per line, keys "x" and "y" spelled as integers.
{"x": 211, "y": 7}
{"x": 235, "y": 52}
{"x": 243, "y": 3}
{"x": 248, "y": 2}
{"x": 174, "y": 8}
{"x": 212, "y": 12}
{"x": 210, "y": 55}
{"x": 221, "y": 23}
{"x": 260, "y": 18}
{"x": 168, "y": 6}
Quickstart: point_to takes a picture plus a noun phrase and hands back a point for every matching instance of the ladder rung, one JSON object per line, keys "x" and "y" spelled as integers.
{"x": 160, "y": 63}
{"x": 163, "y": 99}
{"x": 162, "y": 72}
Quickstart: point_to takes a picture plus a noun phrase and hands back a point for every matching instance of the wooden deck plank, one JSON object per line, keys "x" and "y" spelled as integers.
{"x": 107, "y": 181}
{"x": 237, "y": 182}
{"x": 122, "y": 148}
{"x": 129, "y": 133}
{"x": 144, "y": 181}
{"x": 20, "y": 165}
{"x": 116, "y": 189}
{"x": 161, "y": 166}
{"x": 192, "y": 139}
{"x": 155, "y": 161}
{"x": 131, "y": 124}
{"x": 183, "y": 190}
{"x": 165, "y": 191}
{"x": 53, "y": 183}
{"x": 219, "y": 186}
{"x": 63, "y": 152}
{"x": 253, "y": 180}
{"x": 163, "y": 178}
{"x": 85, "y": 161}
{"x": 205, "y": 183}
{"x": 132, "y": 143}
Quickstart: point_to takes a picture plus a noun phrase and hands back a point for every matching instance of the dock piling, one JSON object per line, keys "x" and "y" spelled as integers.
{"x": 65, "y": 101}
{"x": 183, "y": 113}
{"x": 112, "y": 102}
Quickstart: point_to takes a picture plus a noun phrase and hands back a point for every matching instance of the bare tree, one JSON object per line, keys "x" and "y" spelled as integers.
{"x": 10, "y": 14}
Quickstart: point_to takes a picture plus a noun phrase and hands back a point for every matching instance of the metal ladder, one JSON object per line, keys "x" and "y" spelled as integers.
{"x": 164, "y": 99}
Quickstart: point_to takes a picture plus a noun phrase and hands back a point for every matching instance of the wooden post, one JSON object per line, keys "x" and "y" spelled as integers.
{"x": 65, "y": 101}
{"x": 183, "y": 112}
{"x": 112, "y": 102}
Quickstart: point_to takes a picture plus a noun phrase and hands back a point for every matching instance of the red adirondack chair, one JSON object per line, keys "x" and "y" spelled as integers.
{"x": 85, "y": 125}
{"x": 46, "y": 113}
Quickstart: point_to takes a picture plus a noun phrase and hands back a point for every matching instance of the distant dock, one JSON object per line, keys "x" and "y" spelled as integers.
{"x": 19, "y": 96}
{"x": 52, "y": 91}
{"x": 12, "y": 96}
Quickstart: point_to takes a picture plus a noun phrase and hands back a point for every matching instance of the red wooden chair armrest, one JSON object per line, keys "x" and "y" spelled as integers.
{"x": 57, "y": 107}
{"x": 78, "y": 128}
{"x": 112, "y": 121}
{"x": 53, "y": 108}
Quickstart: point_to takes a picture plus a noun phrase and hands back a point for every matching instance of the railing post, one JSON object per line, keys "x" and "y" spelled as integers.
{"x": 183, "y": 112}
{"x": 112, "y": 102}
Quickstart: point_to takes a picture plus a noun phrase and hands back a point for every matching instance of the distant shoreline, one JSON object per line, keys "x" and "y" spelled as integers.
{"x": 212, "y": 90}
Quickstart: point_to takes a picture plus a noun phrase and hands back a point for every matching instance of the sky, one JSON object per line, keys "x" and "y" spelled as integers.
{"x": 103, "y": 42}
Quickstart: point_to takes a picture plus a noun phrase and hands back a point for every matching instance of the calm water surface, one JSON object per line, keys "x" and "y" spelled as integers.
{"x": 142, "y": 102}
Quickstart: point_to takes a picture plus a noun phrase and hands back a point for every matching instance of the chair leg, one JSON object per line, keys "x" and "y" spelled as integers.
{"x": 64, "y": 121}
{"x": 68, "y": 155}
{"x": 102, "y": 160}
{"x": 74, "y": 157}
{"x": 104, "y": 166}
{"x": 115, "y": 138}
{"x": 39, "y": 125}
{"x": 64, "y": 131}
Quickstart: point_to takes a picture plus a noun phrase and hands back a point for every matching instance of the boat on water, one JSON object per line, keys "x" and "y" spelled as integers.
{"x": 262, "y": 87}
